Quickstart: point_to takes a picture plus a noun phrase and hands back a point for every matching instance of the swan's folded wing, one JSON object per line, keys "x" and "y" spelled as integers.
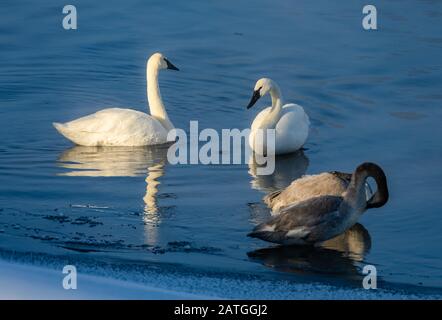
{"x": 114, "y": 127}
{"x": 106, "y": 120}
{"x": 309, "y": 213}
{"x": 297, "y": 221}
{"x": 308, "y": 187}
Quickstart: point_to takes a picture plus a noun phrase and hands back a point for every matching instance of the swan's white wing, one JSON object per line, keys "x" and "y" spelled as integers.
{"x": 107, "y": 120}
{"x": 292, "y": 129}
{"x": 292, "y": 114}
{"x": 114, "y": 127}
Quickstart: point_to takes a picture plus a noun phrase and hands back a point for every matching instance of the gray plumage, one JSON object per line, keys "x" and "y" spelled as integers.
{"x": 323, "y": 217}
{"x": 310, "y": 186}
{"x": 304, "y": 220}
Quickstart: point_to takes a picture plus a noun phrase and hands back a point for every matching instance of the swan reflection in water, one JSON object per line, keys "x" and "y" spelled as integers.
{"x": 339, "y": 255}
{"x": 288, "y": 167}
{"x": 148, "y": 161}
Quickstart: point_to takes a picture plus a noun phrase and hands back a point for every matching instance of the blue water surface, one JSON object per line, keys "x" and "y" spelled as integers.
{"x": 371, "y": 96}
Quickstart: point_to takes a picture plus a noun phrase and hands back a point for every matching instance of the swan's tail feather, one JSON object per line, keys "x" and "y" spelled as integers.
{"x": 270, "y": 236}
{"x": 58, "y": 126}
{"x": 65, "y": 132}
{"x": 62, "y": 128}
{"x": 266, "y": 231}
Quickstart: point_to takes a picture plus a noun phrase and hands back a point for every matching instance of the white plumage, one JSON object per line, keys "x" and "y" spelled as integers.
{"x": 114, "y": 127}
{"x": 290, "y": 121}
{"x": 125, "y": 127}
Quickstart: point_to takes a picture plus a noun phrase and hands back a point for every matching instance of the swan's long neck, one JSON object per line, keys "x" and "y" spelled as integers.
{"x": 157, "y": 109}
{"x": 355, "y": 195}
{"x": 274, "y": 115}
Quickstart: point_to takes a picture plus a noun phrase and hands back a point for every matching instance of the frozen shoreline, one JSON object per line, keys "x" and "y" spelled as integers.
{"x": 23, "y": 281}
{"x": 20, "y": 281}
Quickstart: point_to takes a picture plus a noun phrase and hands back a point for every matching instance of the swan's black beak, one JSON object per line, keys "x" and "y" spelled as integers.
{"x": 170, "y": 65}
{"x": 255, "y": 97}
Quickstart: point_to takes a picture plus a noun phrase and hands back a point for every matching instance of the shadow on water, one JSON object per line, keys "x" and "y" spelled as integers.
{"x": 338, "y": 256}
{"x": 149, "y": 161}
{"x": 287, "y": 168}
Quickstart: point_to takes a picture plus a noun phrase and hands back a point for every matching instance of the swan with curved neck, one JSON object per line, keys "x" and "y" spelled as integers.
{"x": 321, "y": 218}
{"x": 126, "y": 127}
{"x": 290, "y": 121}
{"x": 332, "y": 183}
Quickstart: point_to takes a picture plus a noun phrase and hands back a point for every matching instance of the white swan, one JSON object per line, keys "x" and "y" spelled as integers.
{"x": 125, "y": 127}
{"x": 290, "y": 121}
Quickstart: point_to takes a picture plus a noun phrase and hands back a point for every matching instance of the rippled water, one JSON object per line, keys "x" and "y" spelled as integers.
{"x": 371, "y": 96}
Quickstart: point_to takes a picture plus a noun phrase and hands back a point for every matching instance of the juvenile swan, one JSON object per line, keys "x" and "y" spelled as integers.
{"x": 321, "y": 218}
{"x": 290, "y": 121}
{"x": 309, "y": 186}
{"x": 125, "y": 127}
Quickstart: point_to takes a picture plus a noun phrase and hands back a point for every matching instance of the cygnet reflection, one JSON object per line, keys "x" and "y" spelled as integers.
{"x": 339, "y": 255}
